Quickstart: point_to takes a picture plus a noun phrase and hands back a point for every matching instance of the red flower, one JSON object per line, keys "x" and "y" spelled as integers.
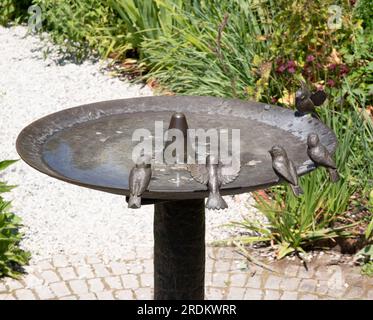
{"x": 310, "y": 58}
{"x": 291, "y": 70}
{"x": 330, "y": 83}
{"x": 291, "y": 64}
{"x": 332, "y": 66}
{"x": 281, "y": 68}
{"x": 343, "y": 70}
{"x": 307, "y": 69}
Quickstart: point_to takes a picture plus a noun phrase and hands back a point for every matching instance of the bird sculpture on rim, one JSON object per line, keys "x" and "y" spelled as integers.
{"x": 285, "y": 168}
{"x": 320, "y": 155}
{"x": 306, "y": 102}
{"x": 214, "y": 174}
{"x": 139, "y": 180}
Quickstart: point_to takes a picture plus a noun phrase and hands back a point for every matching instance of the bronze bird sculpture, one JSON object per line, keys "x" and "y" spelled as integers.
{"x": 321, "y": 156}
{"x": 139, "y": 180}
{"x": 214, "y": 174}
{"x": 285, "y": 168}
{"x": 306, "y": 102}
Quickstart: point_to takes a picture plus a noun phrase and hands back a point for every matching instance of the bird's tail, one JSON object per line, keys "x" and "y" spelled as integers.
{"x": 216, "y": 202}
{"x": 334, "y": 175}
{"x": 134, "y": 202}
{"x": 297, "y": 190}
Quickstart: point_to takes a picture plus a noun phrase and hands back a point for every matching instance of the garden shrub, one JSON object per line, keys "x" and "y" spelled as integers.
{"x": 11, "y": 10}
{"x": 12, "y": 257}
{"x": 84, "y": 27}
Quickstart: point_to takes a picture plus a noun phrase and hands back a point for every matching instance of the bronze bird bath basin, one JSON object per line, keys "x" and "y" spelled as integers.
{"x": 91, "y": 146}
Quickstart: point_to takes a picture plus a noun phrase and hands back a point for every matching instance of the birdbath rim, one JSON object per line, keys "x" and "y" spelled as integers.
{"x": 211, "y": 111}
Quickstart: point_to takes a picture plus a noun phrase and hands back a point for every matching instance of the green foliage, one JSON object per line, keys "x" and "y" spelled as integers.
{"x": 367, "y": 252}
{"x": 356, "y": 94}
{"x": 366, "y": 255}
{"x": 254, "y": 49}
{"x": 11, "y": 256}
{"x": 367, "y": 269}
{"x": 108, "y": 27}
{"x": 148, "y": 19}
{"x": 369, "y": 230}
{"x": 81, "y": 27}
{"x": 213, "y": 50}
{"x": 296, "y": 223}
{"x": 11, "y": 10}
{"x": 364, "y": 11}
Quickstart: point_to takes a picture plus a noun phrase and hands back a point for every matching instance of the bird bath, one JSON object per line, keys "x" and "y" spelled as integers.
{"x": 91, "y": 146}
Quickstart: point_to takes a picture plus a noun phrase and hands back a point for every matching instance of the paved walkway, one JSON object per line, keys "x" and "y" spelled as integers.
{"x": 228, "y": 276}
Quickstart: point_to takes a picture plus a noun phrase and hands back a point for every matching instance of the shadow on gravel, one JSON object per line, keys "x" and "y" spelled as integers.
{"x": 60, "y": 55}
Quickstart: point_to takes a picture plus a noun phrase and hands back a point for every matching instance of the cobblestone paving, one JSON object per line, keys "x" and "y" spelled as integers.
{"x": 227, "y": 277}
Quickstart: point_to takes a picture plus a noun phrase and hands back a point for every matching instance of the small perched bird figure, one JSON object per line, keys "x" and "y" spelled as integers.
{"x": 139, "y": 180}
{"x": 305, "y": 101}
{"x": 285, "y": 168}
{"x": 321, "y": 156}
{"x": 214, "y": 174}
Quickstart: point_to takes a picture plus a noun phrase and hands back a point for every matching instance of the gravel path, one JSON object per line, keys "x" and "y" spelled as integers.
{"x": 59, "y": 217}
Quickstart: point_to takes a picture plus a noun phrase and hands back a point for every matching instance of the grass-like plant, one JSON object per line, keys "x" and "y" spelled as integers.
{"x": 114, "y": 28}
{"x": 367, "y": 269}
{"x": 12, "y": 257}
{"x": 148, "y": 19}
{"x": 216, "y": 49}
{"x": 247, "y": 49}
{"x": 297, "y": 223}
